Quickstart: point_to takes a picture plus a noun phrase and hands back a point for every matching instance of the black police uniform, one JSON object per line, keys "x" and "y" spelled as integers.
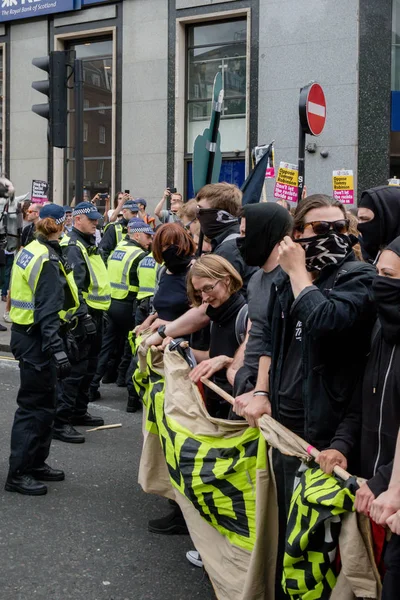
{"x": 121, "y": 320}
{"x": 73, "y": 397}
{"x": 34, "y": 346}
{"x": 109, "y": 239}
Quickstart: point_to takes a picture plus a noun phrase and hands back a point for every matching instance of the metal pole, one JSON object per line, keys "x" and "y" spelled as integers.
{"x": 79, "y": 166}
{"x": 301, "y": 165}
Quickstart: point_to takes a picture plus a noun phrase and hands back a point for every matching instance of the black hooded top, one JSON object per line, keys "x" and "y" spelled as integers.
{"x": 384, "y": 201}
{"x": 380, "y": 406}
{"x": 266, "y": 225}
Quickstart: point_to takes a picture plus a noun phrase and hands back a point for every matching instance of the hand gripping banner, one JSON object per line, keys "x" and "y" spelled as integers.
{"x": 218, "y": 472}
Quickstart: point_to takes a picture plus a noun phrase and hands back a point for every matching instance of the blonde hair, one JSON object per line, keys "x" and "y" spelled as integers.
{"x": 212, "y": 267}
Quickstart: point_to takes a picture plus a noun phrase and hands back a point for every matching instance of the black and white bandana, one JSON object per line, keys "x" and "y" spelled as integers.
{"x": 324, "y": 250}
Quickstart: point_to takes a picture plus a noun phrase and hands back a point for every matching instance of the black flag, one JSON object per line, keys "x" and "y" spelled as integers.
{"x": 252, "y": 187}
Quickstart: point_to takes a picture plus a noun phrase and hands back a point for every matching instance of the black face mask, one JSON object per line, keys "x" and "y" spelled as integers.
{"x": 324, "y": 250}
{"x": 213, "y": 222}
{"x": 387, "y": 297}
{"x": 175, "y": 263}
{"x": 371, "y": 238}
{"x": 266, "y": 225}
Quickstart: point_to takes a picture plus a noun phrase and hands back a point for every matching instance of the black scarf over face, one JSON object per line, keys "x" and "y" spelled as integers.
{"x": 267, "y": 224}
{"x": 213, "y": 221}
{"x": 386, "y": 291}
{"x": 324, "y": 250}
{"x": 384, "y": 201}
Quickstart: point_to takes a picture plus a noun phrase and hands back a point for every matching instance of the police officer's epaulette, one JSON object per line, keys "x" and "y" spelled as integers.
{"x": 53, "y": 256}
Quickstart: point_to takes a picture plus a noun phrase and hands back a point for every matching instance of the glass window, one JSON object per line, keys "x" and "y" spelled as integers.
{"x": 396, "y": 46}
{"x": 212, "y": 48}
{"x": 102, "y": 134}
{"x": 98, "y": 131}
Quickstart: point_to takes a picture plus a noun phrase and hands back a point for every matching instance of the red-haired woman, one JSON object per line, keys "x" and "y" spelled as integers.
{"x": 174, "y": 248}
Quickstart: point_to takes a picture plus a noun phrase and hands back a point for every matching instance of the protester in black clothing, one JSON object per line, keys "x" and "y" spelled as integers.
{"x": 115, "y": 232}
{"x": 378, "y": 219}
{"x": 379, "y": 422}
{"x": 43, "y": 296}
{"x": 219, "y": 207}
{"x": 174, "y": 248}
{"x": 263, "y": 226}
{"x": 28, "y": 232}
{"x": 375, "y": 430}
{"x": 319, "y": 303}
{"x": 213, "y": 281}
{"x": 122, "y": 270}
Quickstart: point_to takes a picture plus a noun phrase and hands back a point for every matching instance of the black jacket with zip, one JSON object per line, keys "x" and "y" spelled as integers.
{"x": 380, "y": 413}
{"x": 337, "y": 315}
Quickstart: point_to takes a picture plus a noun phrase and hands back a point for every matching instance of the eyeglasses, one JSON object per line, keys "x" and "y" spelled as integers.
{"x": 323, "y": 227}
{"x": 207, "y": 288}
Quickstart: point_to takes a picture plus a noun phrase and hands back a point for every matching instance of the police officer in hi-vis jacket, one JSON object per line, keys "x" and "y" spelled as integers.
{"x": 122, "y": 269}
{"x": 44, "y": 301}
{"x": 91, "y": 277}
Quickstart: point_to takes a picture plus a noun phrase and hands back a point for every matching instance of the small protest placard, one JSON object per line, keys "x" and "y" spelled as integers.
{"x": 270, "y": 170}
{"x": 343, "y": 186}
{"x": 39, "y": 191}
{"x": 287, "y": 182}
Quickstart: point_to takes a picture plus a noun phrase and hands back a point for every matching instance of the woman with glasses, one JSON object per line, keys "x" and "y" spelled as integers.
{"x": 318, "y": 331}
{"x": 213, "y": 281}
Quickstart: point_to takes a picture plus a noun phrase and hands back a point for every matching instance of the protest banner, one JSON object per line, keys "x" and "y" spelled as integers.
{"x": 343, "y": 186}
{"x": 287, "y": 181}
{"x": 220, "y": 474}
{"x": 39, "y": 191}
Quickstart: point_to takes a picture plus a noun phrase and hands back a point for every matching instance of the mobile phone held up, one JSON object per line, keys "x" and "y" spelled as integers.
{"x": 127, "y": 192}
{"x": 172, "y": 190}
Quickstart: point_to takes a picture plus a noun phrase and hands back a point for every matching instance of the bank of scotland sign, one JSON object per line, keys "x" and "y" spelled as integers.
{"x": 25, "y": 9}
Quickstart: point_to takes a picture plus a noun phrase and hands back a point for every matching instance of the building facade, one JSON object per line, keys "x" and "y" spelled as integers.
{"x": 149, "y": 66}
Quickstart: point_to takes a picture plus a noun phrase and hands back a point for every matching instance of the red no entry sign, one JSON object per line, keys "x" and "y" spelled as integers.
{"x": 312, "y": 109}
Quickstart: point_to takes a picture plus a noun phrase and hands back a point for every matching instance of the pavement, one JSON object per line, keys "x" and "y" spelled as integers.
{"x": 4, "y": 335}
{"x": 87, "y": 539}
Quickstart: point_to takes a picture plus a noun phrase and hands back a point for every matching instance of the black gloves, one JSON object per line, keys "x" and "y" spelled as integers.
{"x": 89, "y": 326}
{"x": 62, "y": 363}
{"x": 72, "y": 348}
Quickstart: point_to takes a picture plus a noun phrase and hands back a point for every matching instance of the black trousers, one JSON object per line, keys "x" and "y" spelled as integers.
{"x": 285, "y": 469}
{"x": 73, "y": 391}
{"x": 120, "y": 322}
{"x": 391, "y": 580}
{"x": 33, "y": 422}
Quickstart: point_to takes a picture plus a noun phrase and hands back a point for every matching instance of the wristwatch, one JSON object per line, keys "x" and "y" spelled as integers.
{"x": 161, "y": 331}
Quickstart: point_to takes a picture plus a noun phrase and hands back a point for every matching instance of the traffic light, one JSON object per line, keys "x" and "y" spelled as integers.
{"x": 55, "y": 87}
